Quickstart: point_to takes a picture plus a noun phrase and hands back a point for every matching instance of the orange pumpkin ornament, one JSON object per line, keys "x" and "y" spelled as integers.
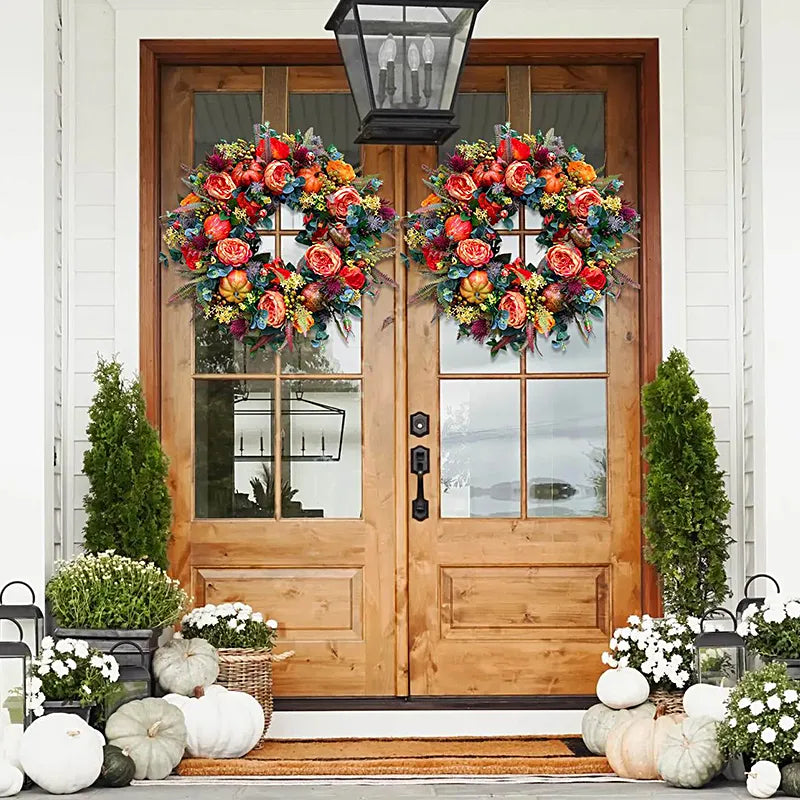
{"x": 554, "y": 179}
{"x": 313, "y": 178}
{"x": 235, "y": 286}
{"x": 476, "y": 287}
{"x": 488, "y": 172}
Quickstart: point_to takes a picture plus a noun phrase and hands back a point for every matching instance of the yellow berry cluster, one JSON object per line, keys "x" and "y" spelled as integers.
{"x": 236, "y": 151}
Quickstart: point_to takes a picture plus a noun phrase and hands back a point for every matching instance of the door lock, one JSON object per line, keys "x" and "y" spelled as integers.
{"x": 420, "y": 466}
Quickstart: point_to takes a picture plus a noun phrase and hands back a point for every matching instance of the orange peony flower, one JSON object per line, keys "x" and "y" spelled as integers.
{"x": 233, "y": 252}
{"x": 341, "y": 171}
{"x": 554, "y": 179}
{"x": 219, "y": 185}
{"x": 580, "y": 203}
{"x": 594, "y": 277}
{"x": 581, "y": 171}
{"x": 517, "y": 174}
{"x": 353, "y": 277}
{"x": 324, "y": 259}
{"x": 276, "y": 175}
{"x": 473, "y": 252}
{"x": 514, "y": 304}
{"x": 272, "y": 302}
{"x": 460, "y": 186}
{"x": 341, "y": 200}
{"x": 565, "y": 260}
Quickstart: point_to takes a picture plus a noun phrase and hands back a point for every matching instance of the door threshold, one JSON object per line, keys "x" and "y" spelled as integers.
{"x": 571, "y": 702}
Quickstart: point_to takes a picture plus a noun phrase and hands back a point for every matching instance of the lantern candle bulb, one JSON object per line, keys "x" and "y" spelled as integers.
{"x": 413, "y": 65}
{"x": 428, "y": 52}
{"x": 386, "y": 58}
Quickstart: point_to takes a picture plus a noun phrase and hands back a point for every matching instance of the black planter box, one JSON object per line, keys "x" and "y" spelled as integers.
{"x": 67, "y": 707}
{"x": 114, "y": 640}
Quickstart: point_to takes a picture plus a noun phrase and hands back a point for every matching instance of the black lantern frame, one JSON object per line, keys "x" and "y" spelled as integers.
{"x": 418, "y": 117}
{"x": 17, "y": 612}
{"x": 19, "y": 651}
{"x": 748, "y": 601}
{"x": 724, "y": 644}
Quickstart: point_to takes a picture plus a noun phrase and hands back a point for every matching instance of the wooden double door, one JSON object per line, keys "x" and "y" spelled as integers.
{"x": 290, "y": 473}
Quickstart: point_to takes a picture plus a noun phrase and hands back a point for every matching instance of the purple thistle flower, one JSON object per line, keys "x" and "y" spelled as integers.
{"x": 479, "y": 329}
{"x": 493, "y": 270}
{"x": 238, "y": 328}
{"x": 628, "y": 213}
{"x": 615, "y": 223}
{"x": 200, "y": 241}
{"x": 217, "y": 162}
{"x": 542, "y": 154}
{"x": 303, "y": 154}
{"x": 440, "y": 241}
{"x": 386, "y": 212}
{"x": 375, "y": 223}
{"x": 457, "y": 162}
{"x": 574, "y": 287}
{"x": 331, "y": 287}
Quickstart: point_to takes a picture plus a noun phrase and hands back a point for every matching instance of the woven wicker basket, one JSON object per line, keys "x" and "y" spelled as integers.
{"x": 671, "y": 702}
{"x": 250, "y": 670}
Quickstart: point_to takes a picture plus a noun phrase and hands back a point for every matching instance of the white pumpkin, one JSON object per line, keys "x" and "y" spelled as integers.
{"x": 10, "y": 740}
{"x": 153, "y": 733}
{"x": 624, "y": 687}
{"x": 764, "y": 779}
{"x": 690, "y": 756}
{"x": 600, "y": 720}
{"x": 220, "y": 723}
{"x": 182, "y": 664}
{"x": 61, "y": 753}
{"x": 11, "y": 779}
{"x": 704, "y": 700}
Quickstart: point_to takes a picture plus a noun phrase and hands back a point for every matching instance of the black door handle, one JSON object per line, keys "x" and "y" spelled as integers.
{"x": 420, "y": 466}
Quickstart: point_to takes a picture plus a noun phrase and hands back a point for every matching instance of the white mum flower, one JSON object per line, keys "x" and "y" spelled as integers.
{"x": 683, "y": 677}
{"x": 752, "y": 727}
{"x": 786, "y": 723}
{"x": 43, "y": 669}
{"x": 776, "y": 614}
{"x": 756, "y": 708}
{"x": 64, "y": 646}
{"x": 745, "y": 702}
{"x": 633, "y": 619}
{"x": 694, "y": 624}
{"x": 60, "y": 669}
{"x": 48, "y": 643}
{"x": 774, "y": 702}
{"x": 71, "y": 665}
{"x": 790, "y": 696}
{"x": 613, "y": 644}
{"x": 793, "y": 609}
{"x": 271, "y": 623}
{"x": 733, "y": 722}
{"x": 81, "y": 650}
{"x": 257, "y": 617}
{"x": 97, "y": 661}
{"x": 623, "y": 646}
{"x": 768, "y": 735}
{"x": 769, "y": 686}
{"x": 232, "y": 623}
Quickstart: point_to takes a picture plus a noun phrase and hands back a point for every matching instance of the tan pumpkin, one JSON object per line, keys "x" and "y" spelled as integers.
{"x": 633, "y": 747}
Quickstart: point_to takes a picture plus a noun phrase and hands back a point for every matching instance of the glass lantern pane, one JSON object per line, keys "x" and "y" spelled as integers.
{"x": 357, "y": 73}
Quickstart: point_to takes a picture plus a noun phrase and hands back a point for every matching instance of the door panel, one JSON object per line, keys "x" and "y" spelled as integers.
{"x": 530, "y": 554}
{"x": 282, "y": 486}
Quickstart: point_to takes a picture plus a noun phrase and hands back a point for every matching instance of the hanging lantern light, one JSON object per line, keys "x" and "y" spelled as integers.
{"x": 719, "y": 655}
{"x": 403, "y": 60}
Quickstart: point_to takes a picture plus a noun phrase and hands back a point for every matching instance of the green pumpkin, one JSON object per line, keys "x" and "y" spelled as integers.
{"x": 118, "y": 767}
{"x": 790, "y": 780}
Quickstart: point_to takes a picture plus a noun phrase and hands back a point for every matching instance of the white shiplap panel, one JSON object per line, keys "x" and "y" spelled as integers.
{"x": 94, "y": 188}
{"x": 93, "y": 322}
{"x": 709, "y": 356}
{"x": 707, "y": 289}
{"x": 706, "y": 222}
{"x": 93, "y": 255}
{"x": 708, "y": 322}
{"x": 93, "y": 222}
{"x": 706, "y": 187}
{"x": 707, "y": 255}
{"x": 93, "y": 289}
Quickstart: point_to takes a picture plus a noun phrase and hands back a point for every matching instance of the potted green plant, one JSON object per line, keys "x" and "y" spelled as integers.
{"x": 686, "y": 518}
{"x": 128, "y": 507}
{"x": 70, "y": 677}
{"x": 107, "y": 599}
{"x": 763, "y": 717}
{"x": 772, "y": 631}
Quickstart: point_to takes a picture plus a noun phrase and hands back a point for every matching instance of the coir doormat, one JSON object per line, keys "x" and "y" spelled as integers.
{"x": 504, "y": 755}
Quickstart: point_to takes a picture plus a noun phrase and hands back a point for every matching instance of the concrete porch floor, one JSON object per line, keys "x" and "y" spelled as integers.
{"x": 720, "y": 790}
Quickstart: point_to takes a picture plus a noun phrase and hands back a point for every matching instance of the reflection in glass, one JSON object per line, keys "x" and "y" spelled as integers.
{"x": 579, "y": 355}
{"x": 480, "y": 442}
{"x": 567, "y": 446}
{"x": 321, "y": 435}
{"x": 476, "y": 115}
{"x": 467, "y": 355}
{"x": 233, "y": 449}
{"x": 335, "y": 356}
{"x": 223, "y": 115}
{"x": 216, "y": 351}
{"x": 332, "y": 116}
{"x": 579, "y": 118}
{"x": 534, "y": 252}
{"x": 292, "y": 251}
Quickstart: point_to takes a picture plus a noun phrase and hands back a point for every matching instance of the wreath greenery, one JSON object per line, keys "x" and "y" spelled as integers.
{"x": 234, "y": 194}
{"x": 456, "y": 236}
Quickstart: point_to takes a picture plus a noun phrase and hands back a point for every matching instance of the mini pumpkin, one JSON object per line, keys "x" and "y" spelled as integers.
{"x": 220, "y": 723}
{"x": 763, "y": 779}
{"x": 182, "y": 664}
{"x": 476, "y": 287}
{"x": 705, "y": 700}
{"x": 153, "y": 733}
{"x": 312, "y": 177}
{"x": 235, "y": 286}
{"x": 690, "y": 756}
{"x": 623, "y": 687}
{"x": 118, "y": 768}
{"x": 488, "y": 172}
{"x": 600, "y": 720}
{"x": 790, "y": 780}
{"x": 554, "y": 179}
{"x": 633, "y": 747}
{"x": 11, "y": 779}
{"x": 61, "y": 753}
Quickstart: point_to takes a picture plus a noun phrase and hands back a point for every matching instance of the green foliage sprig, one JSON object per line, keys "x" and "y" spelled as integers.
{"x": 763, "y": 717}
{"x": 110, "y": 591}
{"x": 685, "y": 523}
{"x": 128, "y": 508}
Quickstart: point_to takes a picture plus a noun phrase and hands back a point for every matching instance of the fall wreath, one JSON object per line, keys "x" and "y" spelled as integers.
{"x": 215, "y": 233}
{"x": 456, "y": 236}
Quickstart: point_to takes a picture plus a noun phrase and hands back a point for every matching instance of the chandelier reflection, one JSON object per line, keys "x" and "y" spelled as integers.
{"x": 310, "y": 430}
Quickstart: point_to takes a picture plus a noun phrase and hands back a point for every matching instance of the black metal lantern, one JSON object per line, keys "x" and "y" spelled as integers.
{"x": 135, "y": 681}
{"x": 719, "y": 655}
{"x": 15, "y": 663}
{"x": 404, "y": 60}
{"x": 748, "y": 601}
{"x": 24, "y": 612}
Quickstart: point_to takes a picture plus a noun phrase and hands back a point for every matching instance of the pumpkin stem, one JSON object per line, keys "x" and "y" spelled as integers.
{"x": 199, "y": 692}
{"x": 661, "y": 710}
{"x": 73, "y": 733}
{"x": 153, "y": 729}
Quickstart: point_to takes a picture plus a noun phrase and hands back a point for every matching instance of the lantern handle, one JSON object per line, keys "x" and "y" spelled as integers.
{"x": 129, "y": 643}
{"x": 746, "y": 586}
{"x": 716, "y": 611}
{"x": 18, "y": 627}
{"x": 18, "y": 583}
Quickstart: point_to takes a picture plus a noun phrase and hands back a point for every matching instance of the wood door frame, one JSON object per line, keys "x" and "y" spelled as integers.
{"x": 155, "y": 53}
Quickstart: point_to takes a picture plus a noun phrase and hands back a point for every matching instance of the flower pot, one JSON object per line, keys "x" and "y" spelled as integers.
{"x": 106, "y": 640}
{"x": 67, "y": 707}
{"x": 792, "y": 665}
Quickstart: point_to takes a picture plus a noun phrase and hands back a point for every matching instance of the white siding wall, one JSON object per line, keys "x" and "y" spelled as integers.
{"x": 711, "y": 293}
